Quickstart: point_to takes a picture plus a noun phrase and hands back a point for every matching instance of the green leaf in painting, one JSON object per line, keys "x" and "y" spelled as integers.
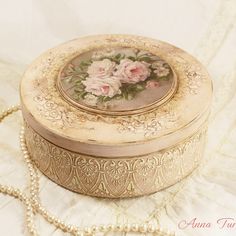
{"x": 139, "y": 87}
{"x": 165, "y": 78}
{"x": 118, "y": 97}
{"x": 130, "y": 96}
{"x": 132, "y": 58}
{"x": 78, "y": 69}
{"x": 82, "y": 94}
{"x": 79, "y": 88}
{"x": 68, "y": 79}
{"x": 146, "y": 59}
{"x": 117, "y": 56}
{"x": 125, "y": 94}
{"x": 85, "y": 63}
{"x": 106, "y": 99}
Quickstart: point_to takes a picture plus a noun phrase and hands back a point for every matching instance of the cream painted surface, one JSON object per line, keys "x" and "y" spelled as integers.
{"x": 65, "y": 121}
{"x": 205, "y": 28}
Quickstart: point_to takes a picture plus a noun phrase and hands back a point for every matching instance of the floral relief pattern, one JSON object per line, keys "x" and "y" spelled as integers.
{"x": 147, "y": 123}
{"x": 54, "y": 112}
{"x": 116, "y": 177}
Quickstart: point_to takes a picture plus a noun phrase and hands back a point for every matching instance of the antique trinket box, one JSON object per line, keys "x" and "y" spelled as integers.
{"x": 116, "y": 115}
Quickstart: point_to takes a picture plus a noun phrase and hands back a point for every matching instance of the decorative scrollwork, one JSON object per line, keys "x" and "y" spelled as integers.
{"x": 116, "y": 177}
{"x": 192, "y": 78}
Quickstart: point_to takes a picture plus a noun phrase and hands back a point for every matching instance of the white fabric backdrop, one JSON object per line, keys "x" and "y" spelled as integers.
{"x": 28, "y": 27}
{"x": 205, "y": 28}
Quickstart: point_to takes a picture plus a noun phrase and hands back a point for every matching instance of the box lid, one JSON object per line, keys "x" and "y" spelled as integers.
{"x": 115, "y": 95}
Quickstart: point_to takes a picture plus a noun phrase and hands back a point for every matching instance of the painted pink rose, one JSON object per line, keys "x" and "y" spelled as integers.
{"x": 107, "y": 87}
{"x": 132, "y": 72}
{"x": 101, "y": 69}
{"x": 152, "y": 84}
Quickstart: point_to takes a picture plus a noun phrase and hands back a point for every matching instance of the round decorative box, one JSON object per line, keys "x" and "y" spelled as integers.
{"x": 116, "y": 115}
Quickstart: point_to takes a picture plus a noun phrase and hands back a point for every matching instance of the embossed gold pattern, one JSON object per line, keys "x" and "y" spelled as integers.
{"x": 116, "y": 177}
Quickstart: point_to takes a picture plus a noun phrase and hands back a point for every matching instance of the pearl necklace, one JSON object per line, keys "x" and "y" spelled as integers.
{"x": 33, "y": 206}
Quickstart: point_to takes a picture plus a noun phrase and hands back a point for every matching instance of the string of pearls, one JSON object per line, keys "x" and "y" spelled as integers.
{"x": 33, "y": 206}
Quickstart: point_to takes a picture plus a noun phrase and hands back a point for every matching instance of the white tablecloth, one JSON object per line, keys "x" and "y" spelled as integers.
{"x": 205, "y": 28}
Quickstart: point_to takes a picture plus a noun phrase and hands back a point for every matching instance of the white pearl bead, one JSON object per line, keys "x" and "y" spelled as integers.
{"x": 143, "y": 228}
{"x": 102, "y": 228}
{"x": 110, "y": 227}
{"x": 151, "y": 229}
{"x": 87, "y": 230}
{"x": 95, "y": 229}
{"x": 118, "y": 227}
{"x": 127, "y": 227}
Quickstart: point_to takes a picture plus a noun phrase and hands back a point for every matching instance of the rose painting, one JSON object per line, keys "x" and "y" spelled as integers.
{"x": 116, "y": 79}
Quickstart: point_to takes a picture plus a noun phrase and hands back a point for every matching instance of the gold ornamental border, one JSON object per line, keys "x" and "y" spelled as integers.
{"x": 116, "y": 177}
{"x": 145, "y": 108}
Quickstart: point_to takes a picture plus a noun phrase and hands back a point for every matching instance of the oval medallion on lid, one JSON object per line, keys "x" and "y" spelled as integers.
{"x": 117, "y": 80}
